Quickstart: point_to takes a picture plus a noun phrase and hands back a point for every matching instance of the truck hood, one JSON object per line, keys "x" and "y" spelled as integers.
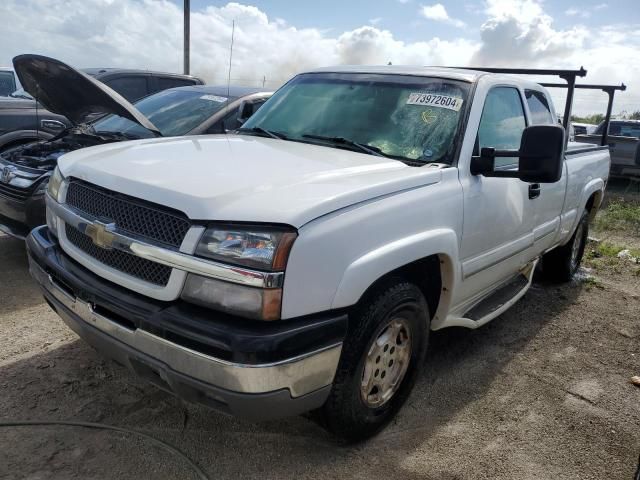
{"x": 244, "y": 178}
{"x": 66, "y": 91}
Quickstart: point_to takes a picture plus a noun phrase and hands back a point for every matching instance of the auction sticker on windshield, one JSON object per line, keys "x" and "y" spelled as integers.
{"x": 433, "y": 100}
{"x": 214, "y": 98}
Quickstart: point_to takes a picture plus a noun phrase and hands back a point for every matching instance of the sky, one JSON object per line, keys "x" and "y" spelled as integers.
{"x": 275, "y": 39}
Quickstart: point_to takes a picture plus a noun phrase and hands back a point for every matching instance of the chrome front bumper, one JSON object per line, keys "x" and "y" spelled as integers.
{"x": 253, "y": 390}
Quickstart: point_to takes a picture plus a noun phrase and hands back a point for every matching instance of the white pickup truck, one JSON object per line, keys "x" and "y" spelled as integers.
{"x": 301, "y": 263}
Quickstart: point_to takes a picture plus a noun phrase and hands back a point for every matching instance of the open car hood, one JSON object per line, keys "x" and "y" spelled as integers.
{"x": 66, "y": 91}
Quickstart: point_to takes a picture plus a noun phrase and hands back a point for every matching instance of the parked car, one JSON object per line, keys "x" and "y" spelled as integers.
{"x": 583, "y": 128}
{"x": 8, "y": 81}
{"x": 195, "y": 110}
{"x": 301, "y": 263}
{"x": 23, "y": 120}
{"x": 623, "y": 139}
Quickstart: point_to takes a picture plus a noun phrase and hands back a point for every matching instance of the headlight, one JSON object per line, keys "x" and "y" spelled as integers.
{"x": 54, "y": 184}
{"x": 248, "y": 302}
{"x": 259, "y": 247}
{"x": 264, "y": 248}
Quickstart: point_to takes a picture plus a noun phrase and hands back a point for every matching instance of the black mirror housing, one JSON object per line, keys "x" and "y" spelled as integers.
{"x": 541, "y": 154}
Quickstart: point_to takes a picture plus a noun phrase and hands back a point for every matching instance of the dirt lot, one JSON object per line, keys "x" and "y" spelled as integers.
{"x": 542, "y": 392}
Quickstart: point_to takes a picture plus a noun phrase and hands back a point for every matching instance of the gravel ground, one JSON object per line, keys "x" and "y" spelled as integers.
{"x": 542, "y": 392}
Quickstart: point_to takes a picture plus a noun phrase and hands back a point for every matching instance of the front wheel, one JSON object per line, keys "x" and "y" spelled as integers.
{"x": 562, "y": 263}
{"x": 381, "y": 358}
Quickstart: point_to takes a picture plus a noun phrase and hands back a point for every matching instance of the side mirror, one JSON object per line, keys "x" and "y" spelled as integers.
{"x": 244, "y": 112}
{"x": 541, "y": 155}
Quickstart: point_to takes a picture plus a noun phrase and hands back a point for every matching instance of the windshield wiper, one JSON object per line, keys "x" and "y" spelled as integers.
{"x": 121, "y": 135}
{"x": 370, "y": 149}
{"x": 264, "y": 131}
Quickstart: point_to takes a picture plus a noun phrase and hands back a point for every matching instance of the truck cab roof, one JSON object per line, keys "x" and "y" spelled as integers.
{"x": 461, "y": 74}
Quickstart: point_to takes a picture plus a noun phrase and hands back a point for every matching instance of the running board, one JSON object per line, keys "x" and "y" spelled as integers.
{"x": 495, "y": 303}
{"x": 498, "y": 299}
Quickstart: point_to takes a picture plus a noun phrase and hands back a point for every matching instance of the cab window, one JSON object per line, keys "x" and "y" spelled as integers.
{"x": 502, "y": 122}
{"x": 132, "y": 88}
{"x": 539, "y": 108}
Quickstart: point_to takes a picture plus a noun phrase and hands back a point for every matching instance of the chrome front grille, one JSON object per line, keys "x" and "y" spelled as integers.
{"x": 131, "y": 215}
{"x": 137, "y": 267}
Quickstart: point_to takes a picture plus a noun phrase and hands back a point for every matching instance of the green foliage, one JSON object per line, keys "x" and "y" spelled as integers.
{"x": 594, "y": 118}
{"x": 593, "y": 282}
{"x": 619, "y": 216}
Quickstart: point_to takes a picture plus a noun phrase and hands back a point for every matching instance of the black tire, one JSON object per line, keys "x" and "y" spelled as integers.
{"x": 345, "y": 414}
{"x": 560, "y": 264}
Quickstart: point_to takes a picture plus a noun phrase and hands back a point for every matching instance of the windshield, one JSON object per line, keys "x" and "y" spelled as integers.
{"x": 405, "y": 117}
{"x": 173, "y": 112}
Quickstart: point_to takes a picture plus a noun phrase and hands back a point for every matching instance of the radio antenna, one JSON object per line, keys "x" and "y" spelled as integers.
{"x": 37, "y": 117}
{"x": 233, "y": 30}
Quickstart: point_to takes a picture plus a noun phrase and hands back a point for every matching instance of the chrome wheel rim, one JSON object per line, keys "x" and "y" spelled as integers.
{"x": 575, "y": 248}
{"x": 386, "y": 363}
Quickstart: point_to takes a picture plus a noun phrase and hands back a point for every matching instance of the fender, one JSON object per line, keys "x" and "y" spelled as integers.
{"x": 375, "y": 264}
{"x": 594, "y": 185}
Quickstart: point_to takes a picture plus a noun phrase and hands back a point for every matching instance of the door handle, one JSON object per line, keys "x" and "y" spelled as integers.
{"x": 534, "y": 190}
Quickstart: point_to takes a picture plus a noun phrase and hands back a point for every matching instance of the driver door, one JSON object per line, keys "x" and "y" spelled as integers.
{"x": 498, "y": 214}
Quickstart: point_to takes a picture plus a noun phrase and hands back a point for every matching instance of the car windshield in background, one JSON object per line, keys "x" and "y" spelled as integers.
{"x": 173, "y": 112}
{"x": 405, "y": 117}
{"x": 621, "y": 129}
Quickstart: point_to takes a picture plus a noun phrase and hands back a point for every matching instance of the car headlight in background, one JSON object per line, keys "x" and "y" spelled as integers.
{"x": 54, "y": 184}
{"x": 264, "y": 248}
{"x": 259, "y": 247}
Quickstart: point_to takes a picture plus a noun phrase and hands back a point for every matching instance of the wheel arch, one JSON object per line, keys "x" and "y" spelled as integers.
{"x": 434, "y": 273}
{"x": 593, "y": 203}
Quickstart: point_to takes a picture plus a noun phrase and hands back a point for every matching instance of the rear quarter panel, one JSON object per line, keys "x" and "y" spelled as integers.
{"x": 587, "y": 174}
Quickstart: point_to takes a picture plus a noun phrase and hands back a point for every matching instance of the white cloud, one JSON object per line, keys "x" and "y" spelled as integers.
{"x": 520, "y": 33}
{"x": 148, "y": 34}
{"x": 573, "y": 12}
{"x": 375, "y": 21}
{"x": 438, "y": 13}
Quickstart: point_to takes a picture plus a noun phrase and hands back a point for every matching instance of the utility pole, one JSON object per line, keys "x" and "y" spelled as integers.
{"x": 186, "y": 42}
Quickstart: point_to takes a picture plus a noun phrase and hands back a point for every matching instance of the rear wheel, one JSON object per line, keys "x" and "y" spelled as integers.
{"x": 561, "y": 264}
{"x": 381, "y": 358}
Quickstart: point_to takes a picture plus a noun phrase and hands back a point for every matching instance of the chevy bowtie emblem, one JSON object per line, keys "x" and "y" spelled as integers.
{"x": 101, "y": 234}
{"x": 7, "y": 174}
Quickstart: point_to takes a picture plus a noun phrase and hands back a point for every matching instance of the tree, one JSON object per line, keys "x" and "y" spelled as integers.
{"x": 594, "y": 118}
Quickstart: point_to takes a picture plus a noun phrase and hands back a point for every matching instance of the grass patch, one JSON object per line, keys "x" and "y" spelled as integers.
{"x": 590, "y": 282}
{"x": 620, "y": 216}
{"x": 604, "y": 249}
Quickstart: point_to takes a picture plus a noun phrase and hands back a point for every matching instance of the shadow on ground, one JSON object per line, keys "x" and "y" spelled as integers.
{"x": 73, "y": 382}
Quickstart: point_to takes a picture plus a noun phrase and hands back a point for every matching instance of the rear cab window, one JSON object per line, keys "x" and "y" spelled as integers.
{"x": 130, "y": 87}
{"x": 172, "y": 82}
{"x": 539, "y": 108}
{"x": 7, "y": 83}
